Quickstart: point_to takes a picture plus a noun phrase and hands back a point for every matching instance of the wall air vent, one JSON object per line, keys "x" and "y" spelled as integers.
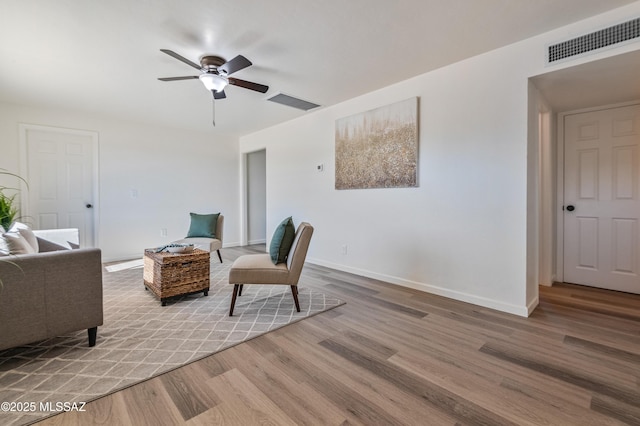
{"x": 287, "y": 100}
{"x": 596, "y": 40}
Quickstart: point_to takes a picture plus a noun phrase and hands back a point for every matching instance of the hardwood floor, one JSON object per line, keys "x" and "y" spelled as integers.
{"x": 396, "y": 356}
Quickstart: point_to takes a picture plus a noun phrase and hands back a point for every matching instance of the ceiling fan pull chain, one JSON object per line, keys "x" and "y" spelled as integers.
{"x": 213, "y": 108}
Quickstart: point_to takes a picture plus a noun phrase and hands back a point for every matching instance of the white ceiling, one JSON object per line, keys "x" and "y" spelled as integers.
{"x": 103, "y": 57}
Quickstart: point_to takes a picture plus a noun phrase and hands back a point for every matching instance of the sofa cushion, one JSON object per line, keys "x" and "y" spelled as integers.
{"x": 27, "y": 234}
{"x": 258, "y": 268}
{"x": 65, "y": 237}
{"x": 281, "y": 241}
{"x": 203, "y": 225}
{"x": 17, "y": 244}
{"x": 45, "y": 246}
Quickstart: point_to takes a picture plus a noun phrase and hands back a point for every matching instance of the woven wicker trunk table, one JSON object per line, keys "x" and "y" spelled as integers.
{"x": 175, "y": 274}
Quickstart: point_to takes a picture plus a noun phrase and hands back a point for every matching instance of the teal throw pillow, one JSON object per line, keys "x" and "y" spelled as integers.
{"x": 203, "y": 225}
{"x": 281, "y": 241}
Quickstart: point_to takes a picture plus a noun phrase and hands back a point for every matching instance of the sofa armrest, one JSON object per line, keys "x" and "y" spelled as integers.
{"x": 49, "y": 294}
{"x": 73, "y": 291}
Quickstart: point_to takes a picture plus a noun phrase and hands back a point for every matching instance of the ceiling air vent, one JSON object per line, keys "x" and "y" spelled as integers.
{"x": 287, "y": 100}
{"x": 596, "y": 40}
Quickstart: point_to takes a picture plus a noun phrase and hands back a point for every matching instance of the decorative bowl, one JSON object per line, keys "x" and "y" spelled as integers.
{"x": 180, "y": 248}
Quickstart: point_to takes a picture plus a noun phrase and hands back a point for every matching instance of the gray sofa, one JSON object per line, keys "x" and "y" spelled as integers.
{"x": 49, "y": 294}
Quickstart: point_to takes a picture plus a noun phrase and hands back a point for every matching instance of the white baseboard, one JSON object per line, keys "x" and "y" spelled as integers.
{"x": 532, "y": 305}
{"x": 231, "y": 244}
{"x": 263, "y": 241}
{"x": 122, "y": 257}
{"x": 522, "y": 311}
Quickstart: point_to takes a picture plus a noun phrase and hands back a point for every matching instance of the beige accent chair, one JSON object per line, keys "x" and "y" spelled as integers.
{"x": 209, "y": 244}
{"x": 259, "y": 269}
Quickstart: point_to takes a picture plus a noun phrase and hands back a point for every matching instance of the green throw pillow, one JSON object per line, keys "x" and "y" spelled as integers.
{"x": 281, "y": 241}
{"x": 203, "y": 225}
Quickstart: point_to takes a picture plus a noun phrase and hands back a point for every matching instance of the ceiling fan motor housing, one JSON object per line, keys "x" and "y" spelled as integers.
{"x": 211, "y": 62}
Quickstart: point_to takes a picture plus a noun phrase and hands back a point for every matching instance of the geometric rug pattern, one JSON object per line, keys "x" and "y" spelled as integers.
{"x": 141, "y": 339}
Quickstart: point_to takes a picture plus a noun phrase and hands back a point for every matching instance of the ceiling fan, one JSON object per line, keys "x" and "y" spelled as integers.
{"x": 215, "y": 72}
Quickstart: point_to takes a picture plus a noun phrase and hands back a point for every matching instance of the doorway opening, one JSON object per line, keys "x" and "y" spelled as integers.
{"x": 256, "y": 197}
{"x": 599, "y": 84}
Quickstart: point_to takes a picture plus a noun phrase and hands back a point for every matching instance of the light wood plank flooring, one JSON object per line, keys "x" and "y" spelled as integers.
{"x": 395, "y": 356}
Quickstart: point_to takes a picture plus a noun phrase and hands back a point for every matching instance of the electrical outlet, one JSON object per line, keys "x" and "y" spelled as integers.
{"x": 163, "y": 232}
{"x": 344, "y": 249}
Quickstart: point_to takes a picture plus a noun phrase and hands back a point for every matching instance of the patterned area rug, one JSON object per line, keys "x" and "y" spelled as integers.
{"x": 141, "y": 339}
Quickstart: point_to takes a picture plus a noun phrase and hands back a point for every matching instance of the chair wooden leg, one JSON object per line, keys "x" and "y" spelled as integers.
{"x": 240, "y": 291}
{"x": 219, "y": 256}
{"x": 294, "y": 292}
{"x": 233, "y": 298}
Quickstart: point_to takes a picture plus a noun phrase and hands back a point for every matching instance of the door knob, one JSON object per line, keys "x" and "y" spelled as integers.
{"x": 89, "y": 206}
{"x": 570, "y": 208}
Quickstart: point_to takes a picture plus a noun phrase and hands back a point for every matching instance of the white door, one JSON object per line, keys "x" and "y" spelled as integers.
{"x": 601, "y": 202}
{"x": 61, "y": 172}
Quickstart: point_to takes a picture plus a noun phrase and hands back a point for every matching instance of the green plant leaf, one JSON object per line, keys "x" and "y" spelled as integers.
{"x": 8, "y": 173}
{"x": 8, "y": 209}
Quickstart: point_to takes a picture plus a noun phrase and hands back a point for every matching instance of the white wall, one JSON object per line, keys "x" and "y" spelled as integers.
{"x": 533, "y": 198}
{"x": 541, "y": 167}
{"x": 468, "y": 228}
{"x": 174, "y": 172}
{"x": 548, "y": 205}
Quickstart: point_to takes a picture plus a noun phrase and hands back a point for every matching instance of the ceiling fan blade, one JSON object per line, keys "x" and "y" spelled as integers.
{"x": 218, "y": 95}
{"x": 189, "y": 77}
{"x": 181, "y": 58}
{"x": 236, "y": 64}
{"x": 248, "y": 85}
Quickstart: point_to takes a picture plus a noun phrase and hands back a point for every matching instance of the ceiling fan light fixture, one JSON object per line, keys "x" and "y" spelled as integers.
{"x": 213, "y": 82}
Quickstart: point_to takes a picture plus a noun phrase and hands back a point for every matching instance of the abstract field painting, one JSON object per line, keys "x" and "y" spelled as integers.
{"x": 378, "y": 148}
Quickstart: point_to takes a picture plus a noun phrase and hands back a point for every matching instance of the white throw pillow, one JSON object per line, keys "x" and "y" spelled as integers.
{"x": 17, "y": 243}
{"x": 4, "y": 247}
{"x": 27, "y": 234}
